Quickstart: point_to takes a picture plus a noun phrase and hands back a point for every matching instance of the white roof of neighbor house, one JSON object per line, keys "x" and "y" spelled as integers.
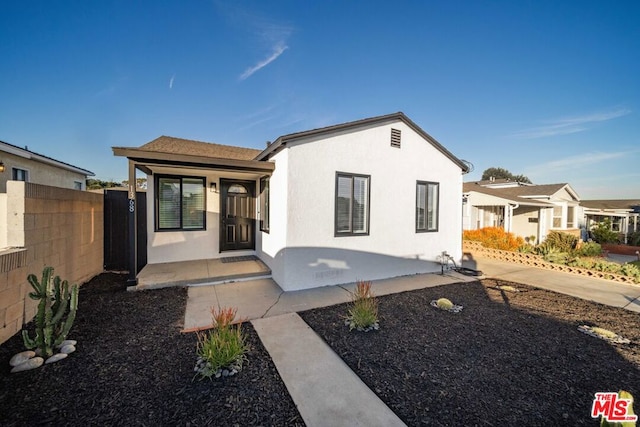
{"x": 626, "y": 205}
{"x": 31, "y": 155}
{"x": 519, "y": 192}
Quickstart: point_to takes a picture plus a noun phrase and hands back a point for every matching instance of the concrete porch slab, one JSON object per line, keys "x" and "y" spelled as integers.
{"x": 206, "y": 271}
{"x": 252, "y": 298}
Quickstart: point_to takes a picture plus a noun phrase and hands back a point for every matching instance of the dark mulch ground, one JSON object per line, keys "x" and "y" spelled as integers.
{"x": 506, "y": 359}
{"x": 134, "y": 367}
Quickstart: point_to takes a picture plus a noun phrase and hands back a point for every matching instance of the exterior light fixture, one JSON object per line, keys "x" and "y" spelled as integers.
{"x": 1, "y": 166}
{"x": 213, "y": 186}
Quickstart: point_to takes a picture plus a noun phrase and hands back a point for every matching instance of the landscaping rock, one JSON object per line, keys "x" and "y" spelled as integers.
{"x": 68, "y": 349}
{"x": 453, "y": 309}
{"x": 67, "y": 342}
{"x": 32, "y": 363}
{"x": 22, "y": 357}
{"x": 56, "y": 358}
{"x": 603, "y": 334}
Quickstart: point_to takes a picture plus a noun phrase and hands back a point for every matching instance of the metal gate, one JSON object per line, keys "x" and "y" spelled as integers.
{"x": 116, "y": 230}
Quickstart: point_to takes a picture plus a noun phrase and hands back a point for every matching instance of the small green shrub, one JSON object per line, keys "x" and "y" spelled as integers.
{"x": 582, "y": 263}
{"x": 545, "y": 249}
{"x": 564, "y": 242}
{"x": 602, "y": 232}
{"x": 607, "y": 266}
{"x": 526, "y": 249}
{"x": 633, "y": 239}
{"x": 556, "y": 257}
{"x": 223, "y": 347}
{"x": 363, "y": 310}
{"x": 630, "y": 270}
{"x": 589, "y": 249}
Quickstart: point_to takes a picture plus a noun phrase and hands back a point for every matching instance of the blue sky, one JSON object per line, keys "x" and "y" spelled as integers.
{"x": 548, "y": 89}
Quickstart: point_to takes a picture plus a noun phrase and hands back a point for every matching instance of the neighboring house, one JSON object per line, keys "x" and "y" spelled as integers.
{"x": 523, "y": 209}
{"x": 624, "y": 214}
{"x": 21, "y": 164}
{"x": 369, "y": 199}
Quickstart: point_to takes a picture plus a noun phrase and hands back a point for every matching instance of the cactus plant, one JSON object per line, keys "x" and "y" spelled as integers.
{"x": 56, "y": 311}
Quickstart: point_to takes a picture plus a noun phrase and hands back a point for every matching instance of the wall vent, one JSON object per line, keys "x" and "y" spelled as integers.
{"x": 395, "y": 138}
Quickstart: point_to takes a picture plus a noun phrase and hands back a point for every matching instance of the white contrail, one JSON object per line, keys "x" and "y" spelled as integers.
{"x": 569, "y": 125}
{"x": 277, "y": 51}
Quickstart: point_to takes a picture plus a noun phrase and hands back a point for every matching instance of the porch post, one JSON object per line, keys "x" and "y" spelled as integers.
{"x": 133, "y": 225}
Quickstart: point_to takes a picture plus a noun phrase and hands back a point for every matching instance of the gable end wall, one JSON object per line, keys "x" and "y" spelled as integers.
{"x": 312, "y": 256}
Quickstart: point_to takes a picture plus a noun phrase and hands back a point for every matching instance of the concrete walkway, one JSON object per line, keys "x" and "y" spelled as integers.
{"x": 256, "y": 299}
{"x": 321, "y": 385}
{"x": 325, "y": 390}
{"x": 599, "y": 290}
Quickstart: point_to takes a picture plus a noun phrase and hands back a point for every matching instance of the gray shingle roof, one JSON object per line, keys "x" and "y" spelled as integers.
{"x": 610, "y": 204}
{"x": 516, "y": 194}
{"x": 168, "y": 144}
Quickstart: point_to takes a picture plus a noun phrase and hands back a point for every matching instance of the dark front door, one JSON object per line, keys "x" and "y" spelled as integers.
{"x": 237, "y": 218}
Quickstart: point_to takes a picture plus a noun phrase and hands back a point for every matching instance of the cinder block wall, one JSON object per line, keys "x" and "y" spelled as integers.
{"x": 46, "y": 226}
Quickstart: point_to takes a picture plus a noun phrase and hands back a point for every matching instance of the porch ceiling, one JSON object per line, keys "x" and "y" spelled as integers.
{"x": 244, "y": 174}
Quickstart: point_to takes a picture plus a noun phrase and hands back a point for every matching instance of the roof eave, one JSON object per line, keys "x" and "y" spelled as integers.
{"x": 187, "y": 160}
{"x": 283, "y": 140}
{"x": 30, "y": 155}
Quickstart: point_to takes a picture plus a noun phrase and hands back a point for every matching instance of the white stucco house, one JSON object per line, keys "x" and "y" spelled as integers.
{"x": 369, "y": 199}
{"x": 521, "y": 208}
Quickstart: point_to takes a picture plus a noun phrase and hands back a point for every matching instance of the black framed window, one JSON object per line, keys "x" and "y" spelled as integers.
{"x": 352, "y": 204}
{"x": 180, "y": 203}
{"x": 18, "y": 174}
{"x": 264, "y": 204}
{"x": 427, "y": 206}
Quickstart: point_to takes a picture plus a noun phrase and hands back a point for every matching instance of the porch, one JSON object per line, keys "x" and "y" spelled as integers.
{"x": 200, "y": 272}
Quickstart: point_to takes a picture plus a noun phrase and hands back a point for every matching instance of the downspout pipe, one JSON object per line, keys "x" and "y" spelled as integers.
{"x": 512, "y": 207}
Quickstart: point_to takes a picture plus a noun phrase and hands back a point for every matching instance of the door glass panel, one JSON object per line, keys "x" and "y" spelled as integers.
{"x": 244, "y": 233}
{"x": 237, "y": 189}
{"x": 231, "y": 233}
{"x": 231, "y": 207}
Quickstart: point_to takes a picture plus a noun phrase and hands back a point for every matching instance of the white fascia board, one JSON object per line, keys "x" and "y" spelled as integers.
{"x": 26, "y": 154}
{"x": 15, "y": 151}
